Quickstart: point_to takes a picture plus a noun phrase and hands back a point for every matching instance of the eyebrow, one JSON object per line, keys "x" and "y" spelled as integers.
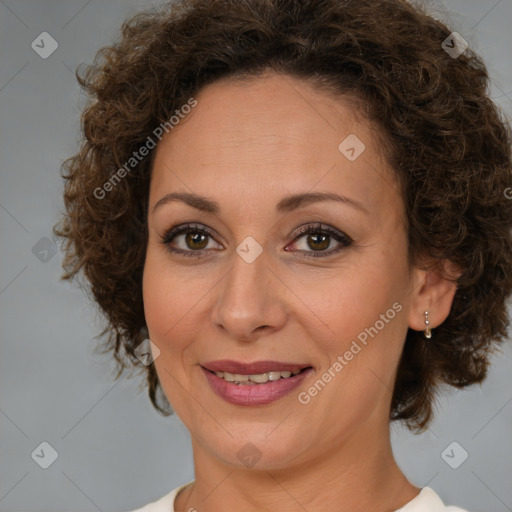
{"x": 287, "y": 204}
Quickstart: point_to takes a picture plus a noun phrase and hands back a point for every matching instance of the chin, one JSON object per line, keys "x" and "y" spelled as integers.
{"x": 249, "y": 447}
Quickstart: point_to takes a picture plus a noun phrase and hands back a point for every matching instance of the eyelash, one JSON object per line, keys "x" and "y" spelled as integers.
{"x": 345, "y": 241}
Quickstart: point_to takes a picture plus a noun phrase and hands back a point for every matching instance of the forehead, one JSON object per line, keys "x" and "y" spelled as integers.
{"x": 272, "y": 135}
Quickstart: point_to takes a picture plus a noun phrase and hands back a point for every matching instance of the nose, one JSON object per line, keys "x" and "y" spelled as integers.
{"x": 250, "y": 301}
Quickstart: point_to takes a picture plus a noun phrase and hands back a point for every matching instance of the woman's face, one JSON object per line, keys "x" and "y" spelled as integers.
{"x": 245, "y": 283}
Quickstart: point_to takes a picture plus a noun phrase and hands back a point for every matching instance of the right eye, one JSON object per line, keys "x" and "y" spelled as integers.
{"x": 190, "y": 240}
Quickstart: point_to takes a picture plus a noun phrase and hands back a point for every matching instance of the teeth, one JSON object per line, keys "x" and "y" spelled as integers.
{"x": 260, "y": 378}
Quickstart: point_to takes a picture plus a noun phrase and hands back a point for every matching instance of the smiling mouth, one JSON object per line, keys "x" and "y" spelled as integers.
{"x": 254, "y": 383}
{"x": 258, "y": 378}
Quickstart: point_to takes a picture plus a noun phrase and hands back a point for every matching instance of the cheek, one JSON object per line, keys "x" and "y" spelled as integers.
{"x": 362, "y": 312}
{"x": 360, "y": 334}
{"x": 349, "y": 302}
{"x": 168, "y": 298}
{"x": 168, "y": 309}
{"x": 166, "y": 286}
{"x": 174, "y": 297}
{"x": 159, "y": 305}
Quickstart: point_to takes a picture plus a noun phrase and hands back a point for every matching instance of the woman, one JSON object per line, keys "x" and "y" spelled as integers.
{"x": 294, "y": 217}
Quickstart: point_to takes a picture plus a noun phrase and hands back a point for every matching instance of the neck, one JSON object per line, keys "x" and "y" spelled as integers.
{"x": 355, "y": 475}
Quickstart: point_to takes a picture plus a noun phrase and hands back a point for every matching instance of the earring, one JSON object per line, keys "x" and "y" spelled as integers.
{"x": 427, "y": 332}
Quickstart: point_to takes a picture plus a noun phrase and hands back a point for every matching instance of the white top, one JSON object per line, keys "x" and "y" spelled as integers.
{"x": 426, "y": 501}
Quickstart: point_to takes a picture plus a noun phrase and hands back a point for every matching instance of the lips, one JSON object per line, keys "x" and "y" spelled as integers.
{"x": 253, "y": 393}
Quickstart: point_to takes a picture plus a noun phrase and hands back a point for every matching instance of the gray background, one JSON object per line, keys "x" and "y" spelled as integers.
{"x": 114, "y": 451}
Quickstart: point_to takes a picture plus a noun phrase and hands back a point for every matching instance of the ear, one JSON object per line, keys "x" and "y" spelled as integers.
{"x": 434, "y": 290}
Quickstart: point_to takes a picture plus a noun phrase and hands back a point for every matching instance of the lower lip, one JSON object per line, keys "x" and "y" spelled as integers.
{"x": 259, "y": 394}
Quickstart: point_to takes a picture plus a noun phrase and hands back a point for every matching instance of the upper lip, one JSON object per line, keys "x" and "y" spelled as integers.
{"x": 254, "y": 368}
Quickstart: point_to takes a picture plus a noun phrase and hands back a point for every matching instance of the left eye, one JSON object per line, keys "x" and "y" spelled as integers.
{"x": 317, "y": 239}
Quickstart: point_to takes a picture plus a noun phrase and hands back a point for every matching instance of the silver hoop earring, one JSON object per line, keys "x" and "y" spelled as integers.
{"x": 427, "y": 332}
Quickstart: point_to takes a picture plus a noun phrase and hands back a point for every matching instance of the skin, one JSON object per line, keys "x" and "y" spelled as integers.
{"x": 246, "y": 145}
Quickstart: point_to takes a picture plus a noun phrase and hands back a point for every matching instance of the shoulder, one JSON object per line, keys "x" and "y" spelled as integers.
{"x": 428, "y": 501}
{"x": 163, "y": 504}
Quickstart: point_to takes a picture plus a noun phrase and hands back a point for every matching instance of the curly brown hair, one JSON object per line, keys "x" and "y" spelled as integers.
{"x": 445, "y": 138}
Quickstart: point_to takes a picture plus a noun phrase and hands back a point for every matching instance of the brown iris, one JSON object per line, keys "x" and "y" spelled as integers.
{"x": 318, "y": 242}
{"x": 196, "y": 240}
